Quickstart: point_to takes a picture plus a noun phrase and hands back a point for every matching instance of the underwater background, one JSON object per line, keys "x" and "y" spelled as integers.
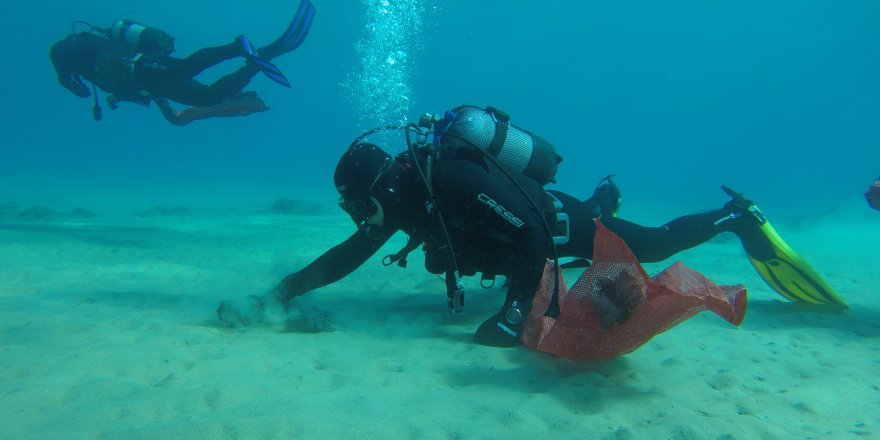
{"x": 775, "y": 99}
{"x": 108, "y": 325}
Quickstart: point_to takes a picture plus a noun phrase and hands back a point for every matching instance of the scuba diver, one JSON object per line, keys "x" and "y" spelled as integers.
{"x": 133, "y": 63}
{"x": 872, "y": 195}
{"x": 473, "y": 198}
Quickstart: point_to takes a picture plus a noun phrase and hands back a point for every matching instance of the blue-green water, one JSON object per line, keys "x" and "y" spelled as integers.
{"x": 777, "y": 99}
{"x": 107, "y": 325}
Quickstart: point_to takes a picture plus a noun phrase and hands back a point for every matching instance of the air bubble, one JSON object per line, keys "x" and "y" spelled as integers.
{"x": 380, "y": 87}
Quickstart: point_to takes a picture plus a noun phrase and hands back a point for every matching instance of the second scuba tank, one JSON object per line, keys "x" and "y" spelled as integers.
{"x": 490, "y": 130}
{"x": 145, "y": 39}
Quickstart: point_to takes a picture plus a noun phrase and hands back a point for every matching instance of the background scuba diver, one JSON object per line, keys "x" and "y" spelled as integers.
{"x": 134, "y": 63}
{"x": 872, "y": 195}
{"x": 489, "y": 225}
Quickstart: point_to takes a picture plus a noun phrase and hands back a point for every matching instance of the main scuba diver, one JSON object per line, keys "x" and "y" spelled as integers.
{"x": 133, "y": 63}
{"x": 476, "y": 203}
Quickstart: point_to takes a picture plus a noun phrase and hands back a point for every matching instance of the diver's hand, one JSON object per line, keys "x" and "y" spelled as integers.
{"x": 251, "y": 311}
{"x": 75, "y": 85}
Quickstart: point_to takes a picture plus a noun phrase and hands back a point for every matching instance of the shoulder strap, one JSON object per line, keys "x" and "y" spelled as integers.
{"x": 502, "y": 125}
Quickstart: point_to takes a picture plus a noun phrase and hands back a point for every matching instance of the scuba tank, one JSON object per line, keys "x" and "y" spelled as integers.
{"x": 145, "y": 39}
{"x": 514, "y": 151}
{"x": 510, "y": 148}
{"x": 490, "y": 130}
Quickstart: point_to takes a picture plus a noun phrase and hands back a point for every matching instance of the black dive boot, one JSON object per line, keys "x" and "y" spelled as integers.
{"x": 504, "y": 329}
{"x": 606, "y": 198}
{"x": 742, "y": 213}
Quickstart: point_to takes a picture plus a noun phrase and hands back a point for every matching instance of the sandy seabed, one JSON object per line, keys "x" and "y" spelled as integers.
{"x": 108, "y": 331}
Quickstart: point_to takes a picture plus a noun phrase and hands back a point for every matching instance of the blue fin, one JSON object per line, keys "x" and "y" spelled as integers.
{"x": 299, "y": 27}
{"x": 294, "y": 35}
{"x": 270, "y": 70}
{"x": 278, "y": 77}
{"x": 247, "y": 47}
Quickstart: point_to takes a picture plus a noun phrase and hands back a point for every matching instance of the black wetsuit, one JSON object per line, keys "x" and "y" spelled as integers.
{"x": 494, "y": 231}
{"x": 117, "y": 68}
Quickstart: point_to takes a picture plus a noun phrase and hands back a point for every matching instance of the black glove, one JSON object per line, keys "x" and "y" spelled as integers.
{"x": 250, "y": 311}
{"x": 75, "y": 85}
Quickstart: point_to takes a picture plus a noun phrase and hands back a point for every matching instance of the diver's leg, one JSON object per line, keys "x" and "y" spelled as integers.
{"x": 189, "y": 92}
{"x": 193, "y": 93}
{"x": 233, "y": 83}
{"x": 649, "y": 244}
{"x": 156, "y": 70}
{"x": 653, "y": 244}
{"x": 202, "y": 59}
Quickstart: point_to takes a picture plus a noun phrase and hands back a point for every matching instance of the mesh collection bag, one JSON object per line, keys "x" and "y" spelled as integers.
{"x": 580, "y": 332}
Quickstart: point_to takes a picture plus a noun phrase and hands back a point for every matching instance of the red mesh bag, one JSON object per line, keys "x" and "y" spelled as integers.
{"x": 579, "y": 332}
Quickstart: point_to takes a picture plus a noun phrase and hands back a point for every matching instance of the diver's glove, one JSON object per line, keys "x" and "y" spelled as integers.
{"x": 251, "y": 311}
{"x": 503, "y": 329}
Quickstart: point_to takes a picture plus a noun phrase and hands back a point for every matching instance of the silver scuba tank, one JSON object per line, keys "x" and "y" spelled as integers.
{"x": 145, "y": 39}
{"x": 490, "y": 130}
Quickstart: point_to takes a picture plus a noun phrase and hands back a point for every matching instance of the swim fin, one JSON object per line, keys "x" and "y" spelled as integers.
{"x": 776, "y": 262}
{"x": 270, "y": 70}
{"x": 294, "y": 35}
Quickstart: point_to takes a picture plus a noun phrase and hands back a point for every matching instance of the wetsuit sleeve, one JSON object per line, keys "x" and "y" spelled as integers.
{"x": 64, "y": 56}
{"x": 334, "y": 264}
{"x": 468, "y": 189}
{"x": 74, "y": 84}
